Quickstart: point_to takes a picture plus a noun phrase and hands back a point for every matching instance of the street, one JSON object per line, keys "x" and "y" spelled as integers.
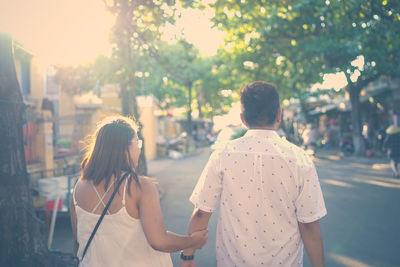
{"x": 362, "y": 199}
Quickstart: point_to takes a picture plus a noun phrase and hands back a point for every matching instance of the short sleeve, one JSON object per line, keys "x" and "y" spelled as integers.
{"x": 310, "y": 205}
{"x": 207, "y": 193}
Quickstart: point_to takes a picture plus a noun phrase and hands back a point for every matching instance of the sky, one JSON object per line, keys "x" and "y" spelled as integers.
{"x": 72, "y": 32}
{"x": 58, "y": 31}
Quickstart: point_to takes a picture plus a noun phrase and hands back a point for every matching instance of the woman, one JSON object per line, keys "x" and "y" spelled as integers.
{"x": 132, "y": 232}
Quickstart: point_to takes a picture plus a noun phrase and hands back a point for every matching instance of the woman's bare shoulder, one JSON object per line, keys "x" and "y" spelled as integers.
{"x": 147, "y": 179}
{"x": 82, "y": 183}
{"x": 147, "y": 184}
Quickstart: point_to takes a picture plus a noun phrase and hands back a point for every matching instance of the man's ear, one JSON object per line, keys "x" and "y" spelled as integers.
{"x": 243, "y": 120}
{"x": 279, "y": 116}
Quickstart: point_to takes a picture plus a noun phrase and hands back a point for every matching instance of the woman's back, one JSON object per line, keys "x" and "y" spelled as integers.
{"x": 123, "y": 237}
{"x": 120, "y": 240}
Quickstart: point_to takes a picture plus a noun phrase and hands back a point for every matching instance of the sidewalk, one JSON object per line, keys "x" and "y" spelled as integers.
{"x": 375, "y": 162}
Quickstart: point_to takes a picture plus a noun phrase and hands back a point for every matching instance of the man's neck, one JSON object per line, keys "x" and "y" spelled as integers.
{"x": 270, "y": 128}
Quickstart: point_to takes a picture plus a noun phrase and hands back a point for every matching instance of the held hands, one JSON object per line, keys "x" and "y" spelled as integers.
{"x": 188, "y": 263}
{"x": 199, "y": 238}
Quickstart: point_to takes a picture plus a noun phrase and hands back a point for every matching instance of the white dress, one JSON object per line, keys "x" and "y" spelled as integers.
{"x": 119, "y": 241}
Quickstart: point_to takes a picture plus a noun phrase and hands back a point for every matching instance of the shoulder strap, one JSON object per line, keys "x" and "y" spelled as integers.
{"x": 103, "y": 213}
{"x": 123, "y": 196}
{"x": 73, "y": 194}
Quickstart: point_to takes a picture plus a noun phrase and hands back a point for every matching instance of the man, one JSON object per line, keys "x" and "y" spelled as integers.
{"x": 267, "y": 190}
{"x": 392, "y": 144}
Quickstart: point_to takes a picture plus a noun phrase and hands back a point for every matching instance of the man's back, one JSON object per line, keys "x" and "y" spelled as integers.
{"x": 263, "y": 185}
{"x": 393, "y": 143}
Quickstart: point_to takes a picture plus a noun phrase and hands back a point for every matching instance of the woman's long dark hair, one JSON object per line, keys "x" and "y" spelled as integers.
{"x": 107, "y": 152}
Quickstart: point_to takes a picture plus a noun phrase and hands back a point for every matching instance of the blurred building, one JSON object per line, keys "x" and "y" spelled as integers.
{"x": 379, "y": 107}
{"x": 38, "y": 138}
{"x": 90, "y": 108}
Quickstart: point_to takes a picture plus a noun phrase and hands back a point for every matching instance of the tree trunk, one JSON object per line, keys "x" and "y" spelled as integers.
{"x": 129, "y": 108}
{"x": 303, "y": 102}
{"x": 123, "y": 34}
{"x": 358, "y": 140}
{"x": 189, "y": 114}
{"x": 199, "y": 104}
{"x": 303, "y": 108}
{"x": 142, "y": 164}
{"x": 21, "y": 243}
{"x": 125, "y": 100}
{"x": 354, "y": 92}
{"x": 200, "y": 100}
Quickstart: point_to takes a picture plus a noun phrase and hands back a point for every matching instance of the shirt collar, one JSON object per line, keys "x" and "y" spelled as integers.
{"x": 262, "y": 133}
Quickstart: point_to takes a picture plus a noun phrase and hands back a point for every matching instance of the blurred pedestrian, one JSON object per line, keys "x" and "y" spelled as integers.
{"x": 333, "y": 134}
{"x": 392, "y": 144}
{"x": 128, "y": 230}
{"x": 310, "y": 137}
{"x": 267, "y": 191}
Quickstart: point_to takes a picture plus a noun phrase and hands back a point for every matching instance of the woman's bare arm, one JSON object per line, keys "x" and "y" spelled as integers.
{"x": 153, "y": 223}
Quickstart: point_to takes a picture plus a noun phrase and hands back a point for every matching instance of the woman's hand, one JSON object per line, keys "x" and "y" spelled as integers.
{"x": 199, "y": 238}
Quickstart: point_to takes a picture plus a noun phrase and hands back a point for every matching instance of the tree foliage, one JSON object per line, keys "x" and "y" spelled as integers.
{"x": 184, "y": 67}
{"x": 78, "y": 79}
{"x": 293, "y": 43}
{"x": 171, "y": 68}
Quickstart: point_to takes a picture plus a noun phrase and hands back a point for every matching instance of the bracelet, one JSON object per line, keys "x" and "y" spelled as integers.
{"x": 186, "y": 258}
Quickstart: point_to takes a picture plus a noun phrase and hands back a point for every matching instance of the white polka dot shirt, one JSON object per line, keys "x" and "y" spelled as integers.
{"x": 263, "y": 186}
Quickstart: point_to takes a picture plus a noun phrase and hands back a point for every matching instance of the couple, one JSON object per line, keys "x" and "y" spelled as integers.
{"x": 266, "y": 188}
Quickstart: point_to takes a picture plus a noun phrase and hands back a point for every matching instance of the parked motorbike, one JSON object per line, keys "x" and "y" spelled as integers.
{"x": 346, "y": 145}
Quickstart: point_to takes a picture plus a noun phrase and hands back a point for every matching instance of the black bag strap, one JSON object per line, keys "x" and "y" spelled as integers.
{"x": 103, "y": 213}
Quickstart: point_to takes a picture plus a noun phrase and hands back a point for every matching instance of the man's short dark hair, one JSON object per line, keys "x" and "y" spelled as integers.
{"x": 260, "y": 102}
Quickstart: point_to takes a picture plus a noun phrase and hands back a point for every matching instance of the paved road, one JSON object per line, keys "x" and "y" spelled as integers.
{"x": 363, "y": 203}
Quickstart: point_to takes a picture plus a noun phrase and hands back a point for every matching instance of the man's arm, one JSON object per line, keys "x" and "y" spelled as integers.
{"x": 312, "y": 239}
{"x": 198, "y": 221}
{"x": 205, "y": 197}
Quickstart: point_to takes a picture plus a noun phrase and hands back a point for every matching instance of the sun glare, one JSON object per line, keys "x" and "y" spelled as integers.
{"x": 336, "y": 81}
{"x": 67, "y": 32}
{"x": 72, "y": 32}
{"x": 196, "y": 27}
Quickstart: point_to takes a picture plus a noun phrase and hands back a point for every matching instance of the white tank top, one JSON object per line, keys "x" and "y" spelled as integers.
{"x": 119, "y": 240}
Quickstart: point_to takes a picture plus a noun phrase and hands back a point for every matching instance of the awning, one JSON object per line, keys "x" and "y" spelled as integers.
{"x": 323, "y": 109}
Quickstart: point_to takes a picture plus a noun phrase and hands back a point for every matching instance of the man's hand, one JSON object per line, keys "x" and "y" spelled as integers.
{"x": 188, "y": 263}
